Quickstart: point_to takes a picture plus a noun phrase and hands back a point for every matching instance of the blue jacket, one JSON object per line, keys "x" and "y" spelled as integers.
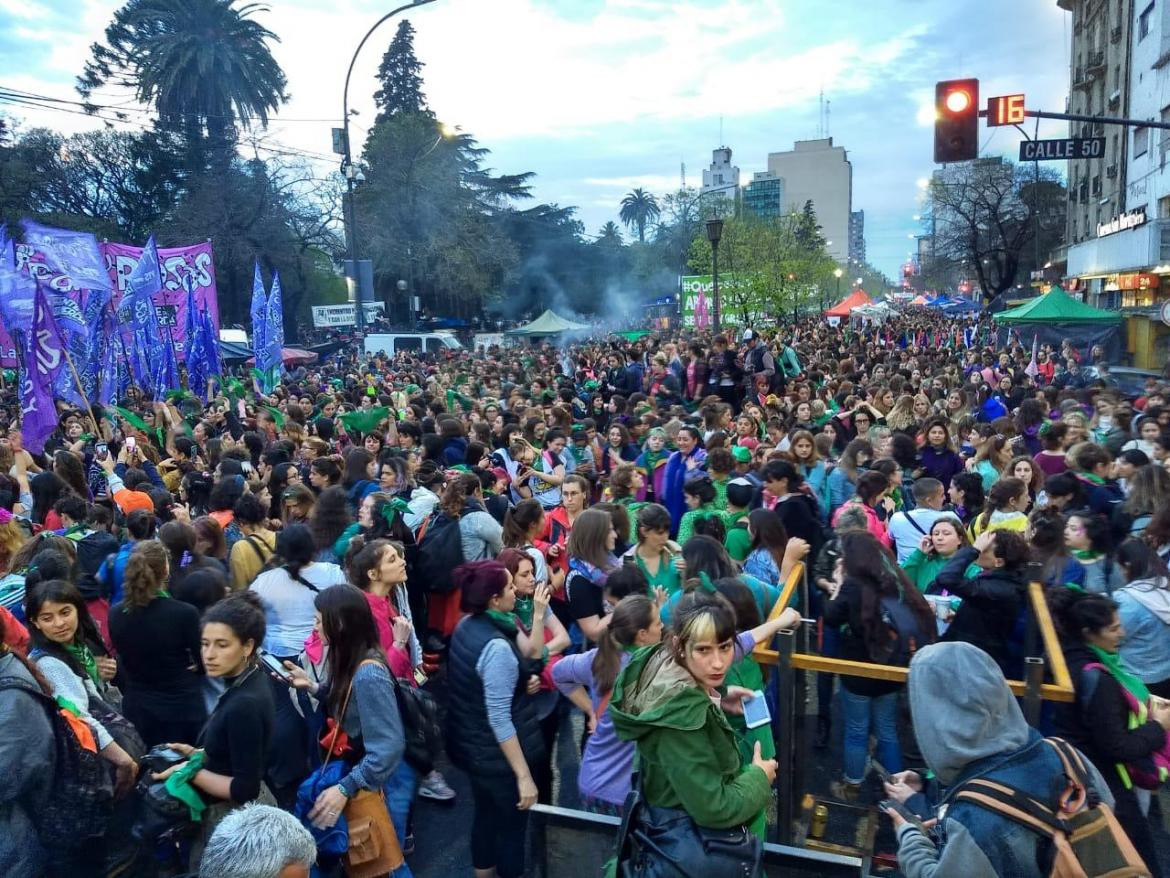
{"x": 1144, "y": 607}
{"x": 980, "y": 733}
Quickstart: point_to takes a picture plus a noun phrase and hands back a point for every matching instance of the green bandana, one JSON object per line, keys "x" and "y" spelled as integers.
{"x": 1086, "y": 554}
{"x": 1112, "y": 663}
{"x": 503, "y": 621}
{"x": 1092, "y": 479}
{"x": 85, "y": 658}
{"x": 523, "y": 611}
{"x": 179, "y": 785}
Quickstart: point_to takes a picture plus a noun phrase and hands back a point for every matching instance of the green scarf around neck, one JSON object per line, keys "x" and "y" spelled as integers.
{"x": 84, "y": 657}
{"x": 504, "y": 621}
{"x": 524, "y": 609}
{"x": 1086, "y": 554}
{"x": 1112, "y": 663}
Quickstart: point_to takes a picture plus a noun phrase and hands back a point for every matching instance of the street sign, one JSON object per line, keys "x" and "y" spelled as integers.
{"x": 339, "y": 141}
{"x": 1166, "y": 313}
{"x": 1057, "y": 150}
{"x": 1005, "y": 110}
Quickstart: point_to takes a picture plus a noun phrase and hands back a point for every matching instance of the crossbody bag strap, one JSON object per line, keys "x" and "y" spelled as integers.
{"x": 1013, "y": 805}
{"x": 344, "y": 707}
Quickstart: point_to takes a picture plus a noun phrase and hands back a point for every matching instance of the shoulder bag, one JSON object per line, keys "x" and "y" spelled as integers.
{"x": 667, "y": 843}
{"x": 374, "y": 850}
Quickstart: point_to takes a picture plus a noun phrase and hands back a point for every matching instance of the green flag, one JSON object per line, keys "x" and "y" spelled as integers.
{"x": 132, "y": 419}
{"x": 277, "y": 415}
{"x": 364, "y": 420}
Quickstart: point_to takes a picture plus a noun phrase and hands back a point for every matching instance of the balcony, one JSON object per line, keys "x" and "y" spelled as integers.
{"x": 1111, "y": 172}
{"x": 1081, "y": 79}
{"x": 1133, "y": 250}
{"x": 1115, "y": 35}
{"x": 1096, "y": 61}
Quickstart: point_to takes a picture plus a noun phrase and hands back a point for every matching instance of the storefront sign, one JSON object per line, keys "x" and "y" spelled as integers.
{"x": 342, "y": 315}
{"x": 1123, "y": 223}
{"x": 1137, "y": 281}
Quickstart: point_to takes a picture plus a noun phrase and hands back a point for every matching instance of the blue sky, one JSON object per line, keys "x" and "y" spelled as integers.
{"x": 599, "y": 96}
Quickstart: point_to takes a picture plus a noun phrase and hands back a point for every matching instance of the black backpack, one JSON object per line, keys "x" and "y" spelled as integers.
{"x": 440, "y": 550}
{"x": 420, "y": 724}
{"x": 903, "y": 634}
{"x": 80, "y": 800}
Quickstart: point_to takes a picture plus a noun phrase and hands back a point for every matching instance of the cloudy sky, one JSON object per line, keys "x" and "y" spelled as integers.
{"x": 599, "y": 96}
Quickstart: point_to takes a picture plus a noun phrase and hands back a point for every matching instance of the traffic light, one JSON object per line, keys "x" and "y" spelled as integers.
{"x": 956, "y": 120}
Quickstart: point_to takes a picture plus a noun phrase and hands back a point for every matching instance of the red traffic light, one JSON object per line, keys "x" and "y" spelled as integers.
{"x": 958, "y": 101}
{"x": 956, "y": 123}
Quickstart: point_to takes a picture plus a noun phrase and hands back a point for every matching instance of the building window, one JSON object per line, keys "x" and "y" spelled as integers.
{"x": 1141, "y": 141}
{"x": 1164, "y": 142}
{"x": 1144, "y": 22}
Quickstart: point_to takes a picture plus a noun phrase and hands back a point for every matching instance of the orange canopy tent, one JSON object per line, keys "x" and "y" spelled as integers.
{"x": 853, "y": 300}
{"x": 919, "y": 301}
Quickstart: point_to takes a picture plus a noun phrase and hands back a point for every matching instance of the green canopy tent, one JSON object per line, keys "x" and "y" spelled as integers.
{"x": 548, "y": 323}
{"x": 1057, "y": 306}
{"x": 1057, "y": 316}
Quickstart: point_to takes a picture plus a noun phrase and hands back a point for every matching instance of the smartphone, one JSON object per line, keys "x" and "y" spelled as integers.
{"x": 131, "y": 443}
{"x": 420, "y": 676}
{"x": 101, "y": 451}
{"x": 275, "y": 667}
{"x": 905, "y": 813}
{"x": 755, "y": 710}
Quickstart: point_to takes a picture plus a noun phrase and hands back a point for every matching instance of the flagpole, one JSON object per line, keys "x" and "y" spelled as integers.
{"x": 97, "y": 431}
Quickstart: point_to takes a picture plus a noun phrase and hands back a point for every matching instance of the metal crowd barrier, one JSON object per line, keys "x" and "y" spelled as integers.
{"x": 792, "y": 750}
{"x": 577, "y": 844}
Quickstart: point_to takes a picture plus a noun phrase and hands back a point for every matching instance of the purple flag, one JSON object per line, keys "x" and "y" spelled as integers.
{"x": 73, "y": 254}
{"x": 109, "y": 343}
{"x": 137, "y": 315}
{"x": 44, "y": 356}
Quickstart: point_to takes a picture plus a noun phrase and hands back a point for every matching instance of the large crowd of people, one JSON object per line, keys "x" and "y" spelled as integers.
{"x": 389, "y": 568}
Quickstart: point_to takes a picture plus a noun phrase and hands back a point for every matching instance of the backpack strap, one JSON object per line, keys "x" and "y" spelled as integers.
{"x": 1012, "y": 805}
{"x": 252, "y": 540}
{"x": 910, "y": 518}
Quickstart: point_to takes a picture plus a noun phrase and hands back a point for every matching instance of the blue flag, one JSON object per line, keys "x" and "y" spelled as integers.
{"x": 17, "y": 291}
{"x": 273, "y": 336}
{"x": 138, "y": 318}
{"x": 259, "y": 317}
{"x": 73, "y": 254}
{"x": 7, "y": 249}
{"x": 44, "y": 355}
{"x": 211, "y": 344}
{"x": 108, "y": 349}
{"x": 198, "y": 367}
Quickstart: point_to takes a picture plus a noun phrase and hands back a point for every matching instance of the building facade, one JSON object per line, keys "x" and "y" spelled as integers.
{"x": 1119, "y": 252}
{"x": 764, "y": 195}
{"x": 721, "y": 179}
{"x": 857, "y": 238}
{"x": 818, "y": 171}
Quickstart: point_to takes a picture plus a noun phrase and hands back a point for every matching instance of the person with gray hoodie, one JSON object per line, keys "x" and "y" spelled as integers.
{"x": 977, "y": 731}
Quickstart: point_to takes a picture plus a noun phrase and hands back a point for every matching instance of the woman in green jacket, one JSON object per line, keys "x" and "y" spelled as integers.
{"x": 667, "y": 700}
{"x": 946, "y": 537}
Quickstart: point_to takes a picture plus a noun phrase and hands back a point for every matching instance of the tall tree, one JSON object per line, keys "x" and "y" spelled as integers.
{"x": 986, "y": 215}
{"x": 401, "y": 77}
{"x": 639, "y": 209}
{"x": 204, "y": 65}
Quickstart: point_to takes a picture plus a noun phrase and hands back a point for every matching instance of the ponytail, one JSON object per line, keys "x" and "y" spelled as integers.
{"x": 146, "y": 573}
{"x": 1001, "y": 494}
{"x": 631, "y": 615}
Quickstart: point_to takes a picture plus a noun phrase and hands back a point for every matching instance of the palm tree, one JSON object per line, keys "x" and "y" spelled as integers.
{"x": 203, "y": 64}
{"x": 610, "y": 234}
{"x": 639, "y": 209}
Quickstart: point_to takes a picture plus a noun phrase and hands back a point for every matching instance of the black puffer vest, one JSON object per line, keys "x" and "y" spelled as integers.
{"x": 470, "y": 742}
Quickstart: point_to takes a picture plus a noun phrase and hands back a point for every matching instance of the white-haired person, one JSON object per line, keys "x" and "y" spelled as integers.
{"x": 259, "y": 841}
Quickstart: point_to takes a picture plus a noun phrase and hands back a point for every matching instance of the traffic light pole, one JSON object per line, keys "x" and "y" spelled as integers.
{"x": 1101, "y": 120}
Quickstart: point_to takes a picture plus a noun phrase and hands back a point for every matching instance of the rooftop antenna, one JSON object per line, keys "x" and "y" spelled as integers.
{"x": 828, "y": 118}
{"x": 682, "y": 175}
{"x": 721, "y": 130}
{"x": 821, "y": 115}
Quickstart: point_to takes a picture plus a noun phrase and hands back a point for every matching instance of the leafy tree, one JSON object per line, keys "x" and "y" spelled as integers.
{"x": 204, "y": 65}
{"x": 639, "y": 209}
{"x": 610, "y": 235}
{"x": 401, "y": 77}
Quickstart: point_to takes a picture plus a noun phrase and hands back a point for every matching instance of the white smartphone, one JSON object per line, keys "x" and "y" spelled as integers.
{"x": 755, "y": 710}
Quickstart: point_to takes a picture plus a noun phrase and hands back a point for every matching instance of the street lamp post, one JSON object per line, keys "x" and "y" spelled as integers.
{"x": 714, "y": 233}
{"x": 837, "y": 274}
{"x": 351, "y": 173}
